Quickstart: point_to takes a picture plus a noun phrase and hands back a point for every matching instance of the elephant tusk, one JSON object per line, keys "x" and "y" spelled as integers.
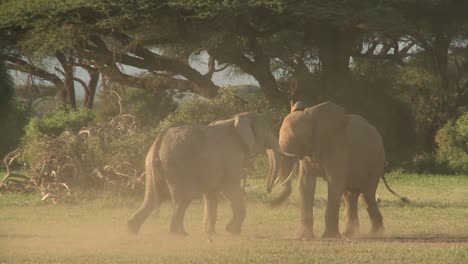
{"x": 290, "y": 175}
{"x": 287, "y": 154}
{"x": 277, "y": 179}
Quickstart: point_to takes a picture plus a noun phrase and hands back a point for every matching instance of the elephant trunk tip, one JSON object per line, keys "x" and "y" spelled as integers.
{"x": 132, "y": 227}
{"x": 282, "y": 197}
{"x": 405, "y": 200}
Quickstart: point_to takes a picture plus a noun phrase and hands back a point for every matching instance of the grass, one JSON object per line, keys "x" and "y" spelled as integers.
{"x": 432, "y": 229}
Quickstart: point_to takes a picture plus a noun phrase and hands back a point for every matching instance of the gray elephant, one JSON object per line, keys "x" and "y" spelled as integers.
{"x": 343, "y": 148}
{"x": 189, "y": 161}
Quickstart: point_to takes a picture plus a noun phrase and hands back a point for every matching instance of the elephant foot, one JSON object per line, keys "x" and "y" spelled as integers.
{"x": 377, "y": 232}
{"x": 233, "y": 229}
{"x": 305, "y": 234}
{"x": 133, "y": 228}
{"x": 331, "y": 234}
{"x": 351, "y": 232}
{"x": 305, "y": 237}
{"x": 180, "y": 233}
{"x": 210, "y": 232}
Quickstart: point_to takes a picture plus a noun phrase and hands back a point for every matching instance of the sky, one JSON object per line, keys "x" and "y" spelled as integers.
{"x": 222, "y": 78}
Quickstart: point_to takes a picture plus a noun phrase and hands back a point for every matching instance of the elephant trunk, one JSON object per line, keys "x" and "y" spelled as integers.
{"x": 282, "y": 167}
{"x": 287, "y": 190}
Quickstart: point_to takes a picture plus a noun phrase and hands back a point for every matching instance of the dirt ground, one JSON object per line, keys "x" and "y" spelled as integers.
{"x": 426, "y": 231}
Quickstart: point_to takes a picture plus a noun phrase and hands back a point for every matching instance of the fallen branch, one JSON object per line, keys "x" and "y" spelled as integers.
{"x": 7, "y": 161}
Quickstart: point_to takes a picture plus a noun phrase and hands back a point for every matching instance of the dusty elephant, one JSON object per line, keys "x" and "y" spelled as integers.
{"x": 343, "y": 148}
{"x": 191, "y": 160}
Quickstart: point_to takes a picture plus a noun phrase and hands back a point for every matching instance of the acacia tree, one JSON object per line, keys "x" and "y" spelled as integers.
{"x": 98, "y": 37}
{"x": 310, "y": 42}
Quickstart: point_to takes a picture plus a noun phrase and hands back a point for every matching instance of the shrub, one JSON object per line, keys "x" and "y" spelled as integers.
{"x": 72, "y": 148}
{"x": 225, "y": 105}
{"x": 54, "y": 124}
{"x": 12, "y": 118}
{"x": 52, "y": 148}
{"x": 12, "y": 123}
{"x": 427, "y": 163}
{"x": 452, "y": 142}
{"x": 104, "y": 156}
{"x": 228, "y": 103}
{"x": 148, "y": 106}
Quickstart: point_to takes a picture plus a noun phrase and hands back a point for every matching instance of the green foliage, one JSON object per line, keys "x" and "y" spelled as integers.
{"x": 428, "y": 163}
{"x": 374, "y": 99}
{"x": 226, "y": 104}
{"x": 12, "y": 116}
{"x": 147, "y": 106}
{"x": 108, "y": 155}
{"x": 452, "y": 141}
{"x": 6, "y": 88}
{"x": 111, "y": 154}
{"x": 56, "y": 123}
{"x": 230, "y": 101}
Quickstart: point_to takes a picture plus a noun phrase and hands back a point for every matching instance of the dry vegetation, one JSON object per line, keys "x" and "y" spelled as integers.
{"x": 432, "y": 229}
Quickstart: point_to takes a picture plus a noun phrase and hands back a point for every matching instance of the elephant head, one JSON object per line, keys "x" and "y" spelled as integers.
{"x": 305, "y": 132}
{"x": 254, "y": 130}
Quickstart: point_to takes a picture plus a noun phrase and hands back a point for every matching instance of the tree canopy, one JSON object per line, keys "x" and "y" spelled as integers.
{"x": 296, "y": 50}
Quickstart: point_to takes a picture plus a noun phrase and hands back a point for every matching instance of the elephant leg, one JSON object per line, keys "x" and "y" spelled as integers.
{"x": 332, "y": 212}
{"x": 143, "y": 212}
{"x": 307, "y": 194}
{"x": 352, "y": 220}
{"x": 234, "y": 195}
{"x": 374, "y": 213}
{"x": 177, "y": 226}
{"x": 211, "y": 211}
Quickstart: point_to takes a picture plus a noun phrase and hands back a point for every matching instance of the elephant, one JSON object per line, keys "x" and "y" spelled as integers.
{"x": 343, "y": 148}
{"x": 190, "y": 160}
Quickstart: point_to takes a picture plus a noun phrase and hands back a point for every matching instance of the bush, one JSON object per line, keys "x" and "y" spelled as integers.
{"x": 103, "y": 156}
{"x": 54, "y": 124}
{"x": 71, "y": 148}
{"x": 12, "y": 123}
{"x": 51, "y": 145}
{"x": 225, "y": 105}
{"x": 13, "y": 118}
{"x": 148, "y": 106}
{"x": 452, "y": 142}
{"x": 228, "y": 103}
{"x": 427, "y": 163}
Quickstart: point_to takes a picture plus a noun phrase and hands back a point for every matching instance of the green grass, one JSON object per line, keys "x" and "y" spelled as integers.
{"x": 90, "y": 228}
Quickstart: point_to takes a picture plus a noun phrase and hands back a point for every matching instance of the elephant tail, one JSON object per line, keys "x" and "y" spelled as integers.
{"x": 155, "y": 189}
{"x": 402, "y": 198}
{"x": 159, "y": 192}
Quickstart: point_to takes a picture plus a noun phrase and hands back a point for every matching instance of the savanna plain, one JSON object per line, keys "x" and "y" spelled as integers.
{"x": 90, "y": 228}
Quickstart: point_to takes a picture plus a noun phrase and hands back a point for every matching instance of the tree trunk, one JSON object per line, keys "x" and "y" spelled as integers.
{"x": 70, "y": 87}
{"x": 439, "y": 52}
{"x": 335, "y": 49}
{"x": 92, "y": 87}
{"x": 305, "y": 88}
{"x": 269, "y": 86}
{"x": 68, "y": 82}
{"x": 259, "y": 69}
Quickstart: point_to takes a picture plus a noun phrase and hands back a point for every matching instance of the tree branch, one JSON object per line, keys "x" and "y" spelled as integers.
{"x": 146, "y": 59}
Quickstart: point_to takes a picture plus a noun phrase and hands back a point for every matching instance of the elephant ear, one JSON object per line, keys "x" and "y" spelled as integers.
{"x": 298, "y": 106}
{"x": 244, "y": 127}
{"x": 328, "y": 121}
